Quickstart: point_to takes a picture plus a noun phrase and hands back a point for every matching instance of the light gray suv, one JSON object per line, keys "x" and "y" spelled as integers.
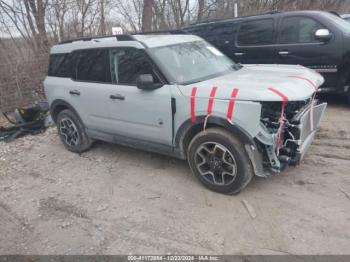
{"x": 180, "y": 96}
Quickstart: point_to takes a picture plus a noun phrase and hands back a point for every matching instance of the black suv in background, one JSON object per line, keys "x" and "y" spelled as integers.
{"x": 315, "y": 39}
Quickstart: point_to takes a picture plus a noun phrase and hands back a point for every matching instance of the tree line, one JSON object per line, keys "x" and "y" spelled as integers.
{"x": 39, "y": 23}
{"x": 28, "y": 28}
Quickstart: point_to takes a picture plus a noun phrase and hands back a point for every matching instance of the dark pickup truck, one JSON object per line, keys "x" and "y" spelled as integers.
{"x": 315, "y": 39}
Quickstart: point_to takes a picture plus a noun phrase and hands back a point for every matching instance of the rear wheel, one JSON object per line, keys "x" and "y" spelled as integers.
{"x": 72, "y": 132}
{"x": 218, "y": 159}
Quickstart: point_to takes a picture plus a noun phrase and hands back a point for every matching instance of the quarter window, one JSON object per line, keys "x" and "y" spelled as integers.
{"x": 93, "y": 66}
{"x": 257, "y": 32}
{"x": 299, "y": 30}
{"x": 60, "y": 65}
{"x": 127, "y": 64}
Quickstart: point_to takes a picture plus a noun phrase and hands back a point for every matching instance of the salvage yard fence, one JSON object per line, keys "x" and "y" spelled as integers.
{"x": 21, "y": 83}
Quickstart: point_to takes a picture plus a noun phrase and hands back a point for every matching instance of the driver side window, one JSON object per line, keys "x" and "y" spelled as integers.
{"x": 127, "y": 64}
{"x": 299, "y": 30}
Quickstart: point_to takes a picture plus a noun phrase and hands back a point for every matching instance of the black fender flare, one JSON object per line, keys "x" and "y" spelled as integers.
{"x": 60, "y": 103}
{"x": 188, "y": 126}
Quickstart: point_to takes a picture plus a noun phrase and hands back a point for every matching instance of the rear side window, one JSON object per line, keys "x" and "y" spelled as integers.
{"x": 217, "y": 33}
{"x": 60, "y": 65}
{"x": 299, "y": 30}
{"x": 128, "y": 63}
{"x": 93, "y": 66}
{"x": 257, "y": 32}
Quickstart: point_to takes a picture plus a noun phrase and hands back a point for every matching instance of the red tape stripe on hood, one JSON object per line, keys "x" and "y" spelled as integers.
{"x": 231, "y": 105}
{"x": 307, "y": 80}
{"x": 193, "y": 96}
{"x": 281, "y": 95}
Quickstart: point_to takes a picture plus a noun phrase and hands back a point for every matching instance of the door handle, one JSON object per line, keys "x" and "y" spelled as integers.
{"x": 117, "y": 96}
{"x": 239, "y": 54}
{"x": 74, "y": 92}
{"x": 283, "y": 53}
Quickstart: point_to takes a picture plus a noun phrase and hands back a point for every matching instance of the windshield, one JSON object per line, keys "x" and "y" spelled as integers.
{"x": 339, "y": 22}
{"x": 191, "y": 62}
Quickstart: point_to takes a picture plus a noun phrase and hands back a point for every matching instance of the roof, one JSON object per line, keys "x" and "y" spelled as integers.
{"x": 156, "y": 40}
{"x": 139, "y": 41}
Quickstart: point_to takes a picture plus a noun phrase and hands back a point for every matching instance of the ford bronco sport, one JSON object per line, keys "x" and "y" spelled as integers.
{"x": 180, "y": 96}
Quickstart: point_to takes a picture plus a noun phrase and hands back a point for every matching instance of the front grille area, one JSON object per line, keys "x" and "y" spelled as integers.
{"x": 287, "y": 151}
{"x": 271, "y": 112}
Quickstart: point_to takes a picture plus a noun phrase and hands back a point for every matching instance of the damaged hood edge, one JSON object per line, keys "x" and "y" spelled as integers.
{"x": 254, "y": 82}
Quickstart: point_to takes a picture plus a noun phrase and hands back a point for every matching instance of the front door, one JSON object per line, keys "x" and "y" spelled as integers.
{"x": 135, "y": 113}
{"x": 297, "y": 45}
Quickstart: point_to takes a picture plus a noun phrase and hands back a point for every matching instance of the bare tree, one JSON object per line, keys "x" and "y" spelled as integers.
{"x": 102, "y": 20}
{"x": 37, "y": 9}
{"x": 130, "y": 13}
{"x": 147, "y": 15}
{"x": 200, "y": 12}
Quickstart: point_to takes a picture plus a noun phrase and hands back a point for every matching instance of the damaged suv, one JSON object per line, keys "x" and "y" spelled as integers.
{"x": 178, "y": 95}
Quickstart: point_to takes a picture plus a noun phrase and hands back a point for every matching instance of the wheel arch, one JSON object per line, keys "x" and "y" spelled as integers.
{"x": 58, "y": 105}
{"x": 188, "y": 130}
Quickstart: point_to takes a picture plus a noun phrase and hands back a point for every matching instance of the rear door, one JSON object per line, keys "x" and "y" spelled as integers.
{"x": 255, "y": 41}
{"x": 297, "y": 45}
{"x": 91, "y": 86}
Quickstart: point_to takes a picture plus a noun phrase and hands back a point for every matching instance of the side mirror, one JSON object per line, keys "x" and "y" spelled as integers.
{"x": 323, "y": 35}
{"x": 146, "y": 82}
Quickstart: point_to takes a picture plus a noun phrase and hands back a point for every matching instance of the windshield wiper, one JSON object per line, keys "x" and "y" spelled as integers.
{"x": 190, "y": 82}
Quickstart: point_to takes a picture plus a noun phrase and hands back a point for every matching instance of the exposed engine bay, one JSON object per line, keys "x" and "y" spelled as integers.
{"x": 287, "y": 131}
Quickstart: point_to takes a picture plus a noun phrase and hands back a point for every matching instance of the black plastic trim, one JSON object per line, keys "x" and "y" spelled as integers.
{"x": 60, "y": 102}
{"x": 173, "y": 112}
{"x": 133, "y": 143}
{"x": 89, "y": 38}
{"x": 187, "y": 126}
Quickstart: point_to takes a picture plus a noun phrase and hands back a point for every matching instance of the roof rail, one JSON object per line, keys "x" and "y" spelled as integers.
{"x": 170, "y": 32}
{"x": 118, "y": 38}
{"x": 271, "y": 12}
{"x": 334, "y": 13}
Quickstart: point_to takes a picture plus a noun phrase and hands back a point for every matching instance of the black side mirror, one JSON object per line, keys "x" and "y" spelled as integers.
{"x": 146, "y": 82}
{"x": 323, "y": 35}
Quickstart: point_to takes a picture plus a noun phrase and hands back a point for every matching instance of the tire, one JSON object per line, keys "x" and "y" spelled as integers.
{"x": 348, "y": 96}
{"x": 227, "y": 172}
{"x": 72, "y": 132}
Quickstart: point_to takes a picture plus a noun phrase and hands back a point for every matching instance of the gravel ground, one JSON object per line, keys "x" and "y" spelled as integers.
{"x": 115, "y": 200}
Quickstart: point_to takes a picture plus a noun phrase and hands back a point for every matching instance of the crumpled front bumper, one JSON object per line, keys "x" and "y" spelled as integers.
{"x": 303, "y": 129}
{"x": 309, "y": 123}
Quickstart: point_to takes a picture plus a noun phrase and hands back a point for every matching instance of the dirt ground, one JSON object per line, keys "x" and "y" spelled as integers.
{"x": 115, "y": 200}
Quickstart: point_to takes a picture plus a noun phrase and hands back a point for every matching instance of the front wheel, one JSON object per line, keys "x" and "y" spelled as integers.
{"x": 220, "y": 162}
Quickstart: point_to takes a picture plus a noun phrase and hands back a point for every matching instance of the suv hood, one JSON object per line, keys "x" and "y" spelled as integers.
{"x": 254, "y": 81}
